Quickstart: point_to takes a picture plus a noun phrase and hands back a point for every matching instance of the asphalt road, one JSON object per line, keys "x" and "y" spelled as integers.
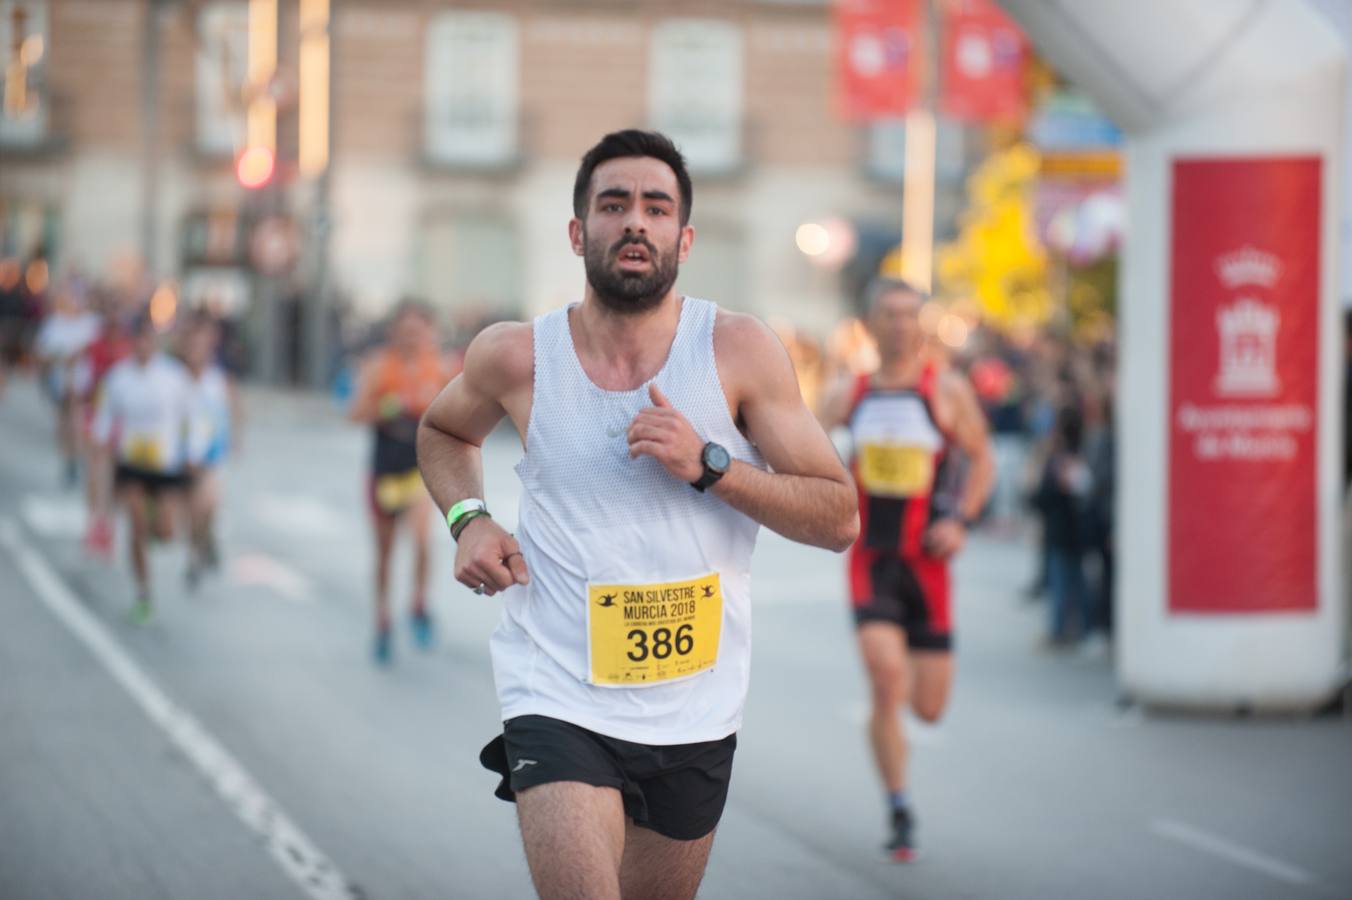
{"x": 242, "y": 745}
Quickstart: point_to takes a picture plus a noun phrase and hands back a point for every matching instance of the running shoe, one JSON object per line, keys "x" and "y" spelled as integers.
{"x": 98, "y": 539}
{"x": 420, "y": 620}
{"x": 902, "y": 848}
{"x": 211, "y": 552}
{"x": 142, "y": 611}
{"x": 383, "y": 649}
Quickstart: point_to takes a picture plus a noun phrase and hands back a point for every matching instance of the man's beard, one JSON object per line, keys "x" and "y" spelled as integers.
{"x": 628, "y": 292}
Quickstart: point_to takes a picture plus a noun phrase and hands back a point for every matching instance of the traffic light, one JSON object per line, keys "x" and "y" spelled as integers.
{"x": 255, "y": 166}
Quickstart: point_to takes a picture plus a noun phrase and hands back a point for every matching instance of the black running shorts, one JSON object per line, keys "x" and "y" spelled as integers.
{"x": 153, "y": 482}
{"x": 677, "y": 790}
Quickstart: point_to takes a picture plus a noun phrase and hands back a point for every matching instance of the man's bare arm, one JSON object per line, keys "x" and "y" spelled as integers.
{"x": 972, "y": 436}
{"x": 498, "y": 366}
{"x": 365, "y": 408}
{"x": 808, "y": 497}
{"x": 834, "y": 409}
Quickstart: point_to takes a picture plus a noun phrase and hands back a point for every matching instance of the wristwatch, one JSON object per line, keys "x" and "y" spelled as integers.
{"x": 716, "y": 461}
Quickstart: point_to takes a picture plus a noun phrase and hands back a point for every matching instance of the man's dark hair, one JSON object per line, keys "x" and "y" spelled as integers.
{"x": 413, "y": 306}
{"x": 632, "y": 142}
{"x": 883, "y": 285}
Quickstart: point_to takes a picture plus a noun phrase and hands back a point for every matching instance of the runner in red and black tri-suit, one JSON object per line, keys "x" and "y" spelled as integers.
{"x": 912, "y": 426}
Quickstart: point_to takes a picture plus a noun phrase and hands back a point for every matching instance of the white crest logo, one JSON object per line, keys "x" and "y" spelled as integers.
{"x": 1248, "y": 265}
{"x": 1248, "y": 333}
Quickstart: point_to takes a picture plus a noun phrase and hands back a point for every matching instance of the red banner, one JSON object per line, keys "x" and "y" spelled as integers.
{"x": 878, "y": 55}
{"x": 1244, "y": 386}
{"x": 984, "y": 54}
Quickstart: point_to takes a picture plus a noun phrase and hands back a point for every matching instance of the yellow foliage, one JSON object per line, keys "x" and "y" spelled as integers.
{"x": 997, "y": 258}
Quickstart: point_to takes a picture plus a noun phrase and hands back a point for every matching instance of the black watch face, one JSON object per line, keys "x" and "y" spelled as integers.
{"x": 717, "y": 458}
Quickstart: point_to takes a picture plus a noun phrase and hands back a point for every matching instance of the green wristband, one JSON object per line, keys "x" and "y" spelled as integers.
{"x": 462, "y": 509}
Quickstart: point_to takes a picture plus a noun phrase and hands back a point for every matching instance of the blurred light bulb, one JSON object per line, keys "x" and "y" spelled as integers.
{"x": 953, "y": 331}
{"x": 255, "y": 167}
{"x": 163, "y": 305}
{"x": 812, "y": 239}
{"x": 930, "y": 314}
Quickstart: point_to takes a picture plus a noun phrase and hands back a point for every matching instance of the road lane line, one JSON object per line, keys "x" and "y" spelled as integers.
{"x": 293, "y": 852}
{"x": 1235, "y": 853}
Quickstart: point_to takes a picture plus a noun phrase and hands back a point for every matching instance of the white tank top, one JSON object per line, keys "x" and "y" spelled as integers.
{"x": 602, "y": 533}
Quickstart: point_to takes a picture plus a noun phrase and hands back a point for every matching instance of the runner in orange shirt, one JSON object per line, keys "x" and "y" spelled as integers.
{"x": 397, "y": 384}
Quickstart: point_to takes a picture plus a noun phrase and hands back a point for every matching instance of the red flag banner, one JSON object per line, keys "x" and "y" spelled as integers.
{"x": 984, "y": 54}
{"x": 878, "y": 57}
{"x": 1243, "y": 385}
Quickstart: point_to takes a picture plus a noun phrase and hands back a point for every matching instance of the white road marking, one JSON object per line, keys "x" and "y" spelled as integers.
{"x": 259, "y": 569}
{"x": 288, "y": 846}
{"x": 1235, "y": 853}
{"x": 54, "y": 516}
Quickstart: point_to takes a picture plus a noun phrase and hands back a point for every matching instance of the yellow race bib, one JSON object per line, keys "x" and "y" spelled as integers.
{"x": 644, "y": 634}
{"x": 895, "y": 470}
{"x": 144, "y": 453}
{"x": 397, "y": 492}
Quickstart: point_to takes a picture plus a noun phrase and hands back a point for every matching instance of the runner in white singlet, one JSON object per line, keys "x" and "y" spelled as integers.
{"x": 660, "y": 433}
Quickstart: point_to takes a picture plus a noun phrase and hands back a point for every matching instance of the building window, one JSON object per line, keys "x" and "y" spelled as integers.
{"x": 695, "y": 90}
{"x": 222, "y": 70}
{"x": 470, "y": 89}
{"x": 471, "y": 266}
{"x": 23, "y": 54}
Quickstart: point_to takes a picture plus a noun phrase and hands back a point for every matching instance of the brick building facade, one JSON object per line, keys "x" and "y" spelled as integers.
{"x": 455, "y": 134}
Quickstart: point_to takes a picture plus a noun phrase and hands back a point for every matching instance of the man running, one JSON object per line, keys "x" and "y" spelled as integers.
{"x": 144, "y": 422}
{"x": 396, "y": 386}
{"x": 111, "y": 346}
{"x": 660, "y": 433}
{"x": 215, "y": 409}
{"x": 905, "y": 420}
{"x": 60, "y": 341}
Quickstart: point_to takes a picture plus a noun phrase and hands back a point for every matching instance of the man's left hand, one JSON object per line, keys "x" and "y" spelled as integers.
{"x": 660, "y": 431}
{"x": 944, "y": 538}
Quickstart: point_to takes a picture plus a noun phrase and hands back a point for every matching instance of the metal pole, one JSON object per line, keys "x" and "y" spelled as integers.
{"x": 917, "y": 225}
{"x": 150, "y": 127}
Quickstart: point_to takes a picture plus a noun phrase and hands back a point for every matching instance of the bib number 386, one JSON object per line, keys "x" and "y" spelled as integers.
{"x": 644, "y": 634}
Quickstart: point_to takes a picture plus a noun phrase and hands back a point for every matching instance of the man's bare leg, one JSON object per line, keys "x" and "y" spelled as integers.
{"x": 385, "y": 527}
{"x": 932, "y": 676}
{"x": 420, "y": 521}
{"x": 662, "y": 868}
{"x": 574, "y": 839}
{"x": 883, "y": 647}
{"x": 138, "y": 517}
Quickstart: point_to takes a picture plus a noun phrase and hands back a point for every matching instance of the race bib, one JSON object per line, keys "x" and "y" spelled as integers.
{"x": 397, "y": 492}
{"x": 895, "y": 470}
{"x": 143, "y": 452}
{"x": 645, "y": 634}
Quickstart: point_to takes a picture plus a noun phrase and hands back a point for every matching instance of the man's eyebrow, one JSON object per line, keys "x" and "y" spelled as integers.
{"x": 620, "y": 193}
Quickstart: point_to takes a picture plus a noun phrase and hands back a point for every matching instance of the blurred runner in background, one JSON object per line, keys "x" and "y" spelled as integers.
{"x": 111, "y": 346}
{"x": 216, "y": 420}
{"x": 62, "y": 337}
{"x": 905, "y": 421}
{"x": 397, "y": 384}
{"x": 144, "y": 424}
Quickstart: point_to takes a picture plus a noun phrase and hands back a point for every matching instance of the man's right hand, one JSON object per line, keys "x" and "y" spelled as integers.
{"x": 487, "y": 555}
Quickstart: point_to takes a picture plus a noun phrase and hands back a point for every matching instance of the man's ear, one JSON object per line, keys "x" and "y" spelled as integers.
{"x": 687, "y": 240}
{"x": 576, "y": 235}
